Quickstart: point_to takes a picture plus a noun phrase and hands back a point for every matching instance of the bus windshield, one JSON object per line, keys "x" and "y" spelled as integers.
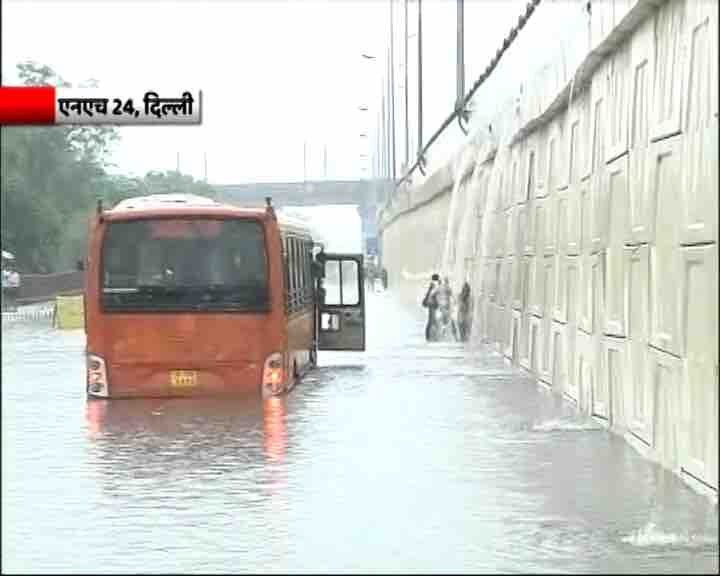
{"x": 184, "y": 264}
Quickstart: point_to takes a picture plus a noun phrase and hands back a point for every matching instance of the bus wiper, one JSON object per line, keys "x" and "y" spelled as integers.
{"x": 157, "y": 288}
{"x": 160, "y": 290}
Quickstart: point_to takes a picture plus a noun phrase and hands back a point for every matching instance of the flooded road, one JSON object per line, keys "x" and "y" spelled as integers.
{"x": 408, "y": 458}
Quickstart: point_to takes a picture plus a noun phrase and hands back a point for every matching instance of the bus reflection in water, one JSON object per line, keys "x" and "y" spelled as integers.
{"x": 275, "y": 428}
{"x": 171, "y": 417}
{"x": 162, "y": 437}
{"x": 186, "y": 296}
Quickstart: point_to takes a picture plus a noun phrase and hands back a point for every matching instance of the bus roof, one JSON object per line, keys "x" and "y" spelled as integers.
{"x": 184, "y": 204}
{"x": 155, "y": 201}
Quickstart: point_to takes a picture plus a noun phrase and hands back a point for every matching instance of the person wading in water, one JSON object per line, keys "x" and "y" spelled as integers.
{"x": 430, "y": 302}
{"x": 465, "y": 313}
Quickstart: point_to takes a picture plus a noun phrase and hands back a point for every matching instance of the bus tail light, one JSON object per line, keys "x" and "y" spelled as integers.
{"x": 97, "y": 382}
{"x": 273, "y": 373}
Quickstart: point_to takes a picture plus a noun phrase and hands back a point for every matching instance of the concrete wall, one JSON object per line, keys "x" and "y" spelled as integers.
{"x": 412, "y": 239}
{"x": 589, "y": 231}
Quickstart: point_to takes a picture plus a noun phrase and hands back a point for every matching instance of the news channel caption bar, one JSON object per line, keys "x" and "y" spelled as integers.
{"x": 48, "y": 105}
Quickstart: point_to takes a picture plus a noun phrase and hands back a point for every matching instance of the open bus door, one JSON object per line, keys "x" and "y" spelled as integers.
{"x": 340, "y": 317}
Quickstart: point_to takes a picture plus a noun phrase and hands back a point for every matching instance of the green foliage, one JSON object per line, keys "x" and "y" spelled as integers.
{"x": 51, "y": 179}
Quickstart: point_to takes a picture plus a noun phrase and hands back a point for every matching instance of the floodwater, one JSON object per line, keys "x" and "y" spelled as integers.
{"x": 407, "y": 458}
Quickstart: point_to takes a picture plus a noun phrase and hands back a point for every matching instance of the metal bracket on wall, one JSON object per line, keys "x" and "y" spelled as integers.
{"x": 421, "y": 165}
{"x": 462, "y": 120}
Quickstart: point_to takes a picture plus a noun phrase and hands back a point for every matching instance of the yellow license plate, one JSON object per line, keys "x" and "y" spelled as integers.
{"x": 183, "y": 378}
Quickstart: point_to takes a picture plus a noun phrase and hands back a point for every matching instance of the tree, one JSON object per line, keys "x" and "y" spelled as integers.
{"x": 51, "y": 179}
{"x": 50, "y": 174}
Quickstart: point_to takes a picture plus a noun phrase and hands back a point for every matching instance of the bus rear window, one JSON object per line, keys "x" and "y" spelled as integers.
{"x": 189, "y": 264}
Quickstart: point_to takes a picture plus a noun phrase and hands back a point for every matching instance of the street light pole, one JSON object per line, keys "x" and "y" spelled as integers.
{"x": 392, "y": 87}
{"x": 420, "y": 84}
{"x": 407, "y": 130}
{"x": 460, "y": 53}
{"x": 384, "y": 150}
{"x": 305, "y": 161}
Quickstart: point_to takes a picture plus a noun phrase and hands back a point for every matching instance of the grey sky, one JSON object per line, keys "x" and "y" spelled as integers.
{"x": 272, "y": 74}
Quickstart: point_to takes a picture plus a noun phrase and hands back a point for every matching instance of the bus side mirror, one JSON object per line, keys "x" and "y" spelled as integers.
{"x": 80, "y": 265}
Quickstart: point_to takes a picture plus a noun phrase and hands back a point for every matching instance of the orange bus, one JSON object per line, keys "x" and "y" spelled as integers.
{"x": 188, "y": 296}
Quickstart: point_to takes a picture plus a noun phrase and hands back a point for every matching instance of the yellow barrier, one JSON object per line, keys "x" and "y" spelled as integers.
{"x": 69, "y": 313}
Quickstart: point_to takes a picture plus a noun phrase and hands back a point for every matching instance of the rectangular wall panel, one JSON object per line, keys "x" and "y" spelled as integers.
{"x": 699, "y": 189}
{"x": 515, "y": 327}
{"x": 534, "y": 345}
{"x": 558, "y": 358}
{"x": 561, "y": 169}
{"x": 548, "y": 246}
{"x": 548, "y": 297}
{"x": 539, "y": 162}
{"x": 577, "y": 140}
{"x": 539, "y": 210}
{"x": 527, "y": 216}
{"x": 664, "y": 299}
{"x": 585, "y": 158}
{"x": 665, "y": 181}
{"x": 618, "y": 101}
{"x": 638, "y": 395}
{"x": 666, "y": 405}
{"x": 608, "y": 393}
{"x": 527, "y": 172}
{"x": 598, "y": 211}
{"x": 617, "y": 207}
{"x": 699, "y": 304}
{"x": 561, "y": 220}
{"x": 550, "y": 168}
{"x": 642, "y": 97}
{"x": 598, "y": 112}
{"x": 585, "y": 370}
{"x": 524, "y": 356}
{"x": 699, "y": 452}
{"x": 566, "y": 280}
{"x": 701, "y": 42}
{"x": 579, "y": 241}
{"x": 548, "y": 290}
{"x": 535, "y": 285}
{"x": 641, "y": 84}
{"x": 640, "y": 202}
{"x": 668, "y": 73}
{"x": 637, "y": 271}
{"x": 510, "y": 239}
{"x": 500, "y": 235}
{"x": 505, "y": 292}
{"x": 517, "y": 282}
{"x": 572, "y": 221}
{"x": 586, "y": 294}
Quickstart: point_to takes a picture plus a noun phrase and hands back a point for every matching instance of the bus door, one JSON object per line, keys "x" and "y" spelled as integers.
{"x": 341, "y": 303}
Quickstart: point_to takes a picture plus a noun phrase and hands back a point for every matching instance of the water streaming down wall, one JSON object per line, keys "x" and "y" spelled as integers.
{"x": 586, "y": 223}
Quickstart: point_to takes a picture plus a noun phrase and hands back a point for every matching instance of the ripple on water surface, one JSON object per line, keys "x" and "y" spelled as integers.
{"x": 410, "y": 457}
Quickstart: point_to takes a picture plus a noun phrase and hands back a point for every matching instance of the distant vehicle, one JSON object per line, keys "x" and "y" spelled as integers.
{"x": 187, "y": 296}
{"x": 10, "y": 278}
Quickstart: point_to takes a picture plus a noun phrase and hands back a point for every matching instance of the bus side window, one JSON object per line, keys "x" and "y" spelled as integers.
{"x": 286, "y": 266}
{"x": 293, "y": 276}
{"x": 298, "y": 275}
{"x": 307, "y": 256}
